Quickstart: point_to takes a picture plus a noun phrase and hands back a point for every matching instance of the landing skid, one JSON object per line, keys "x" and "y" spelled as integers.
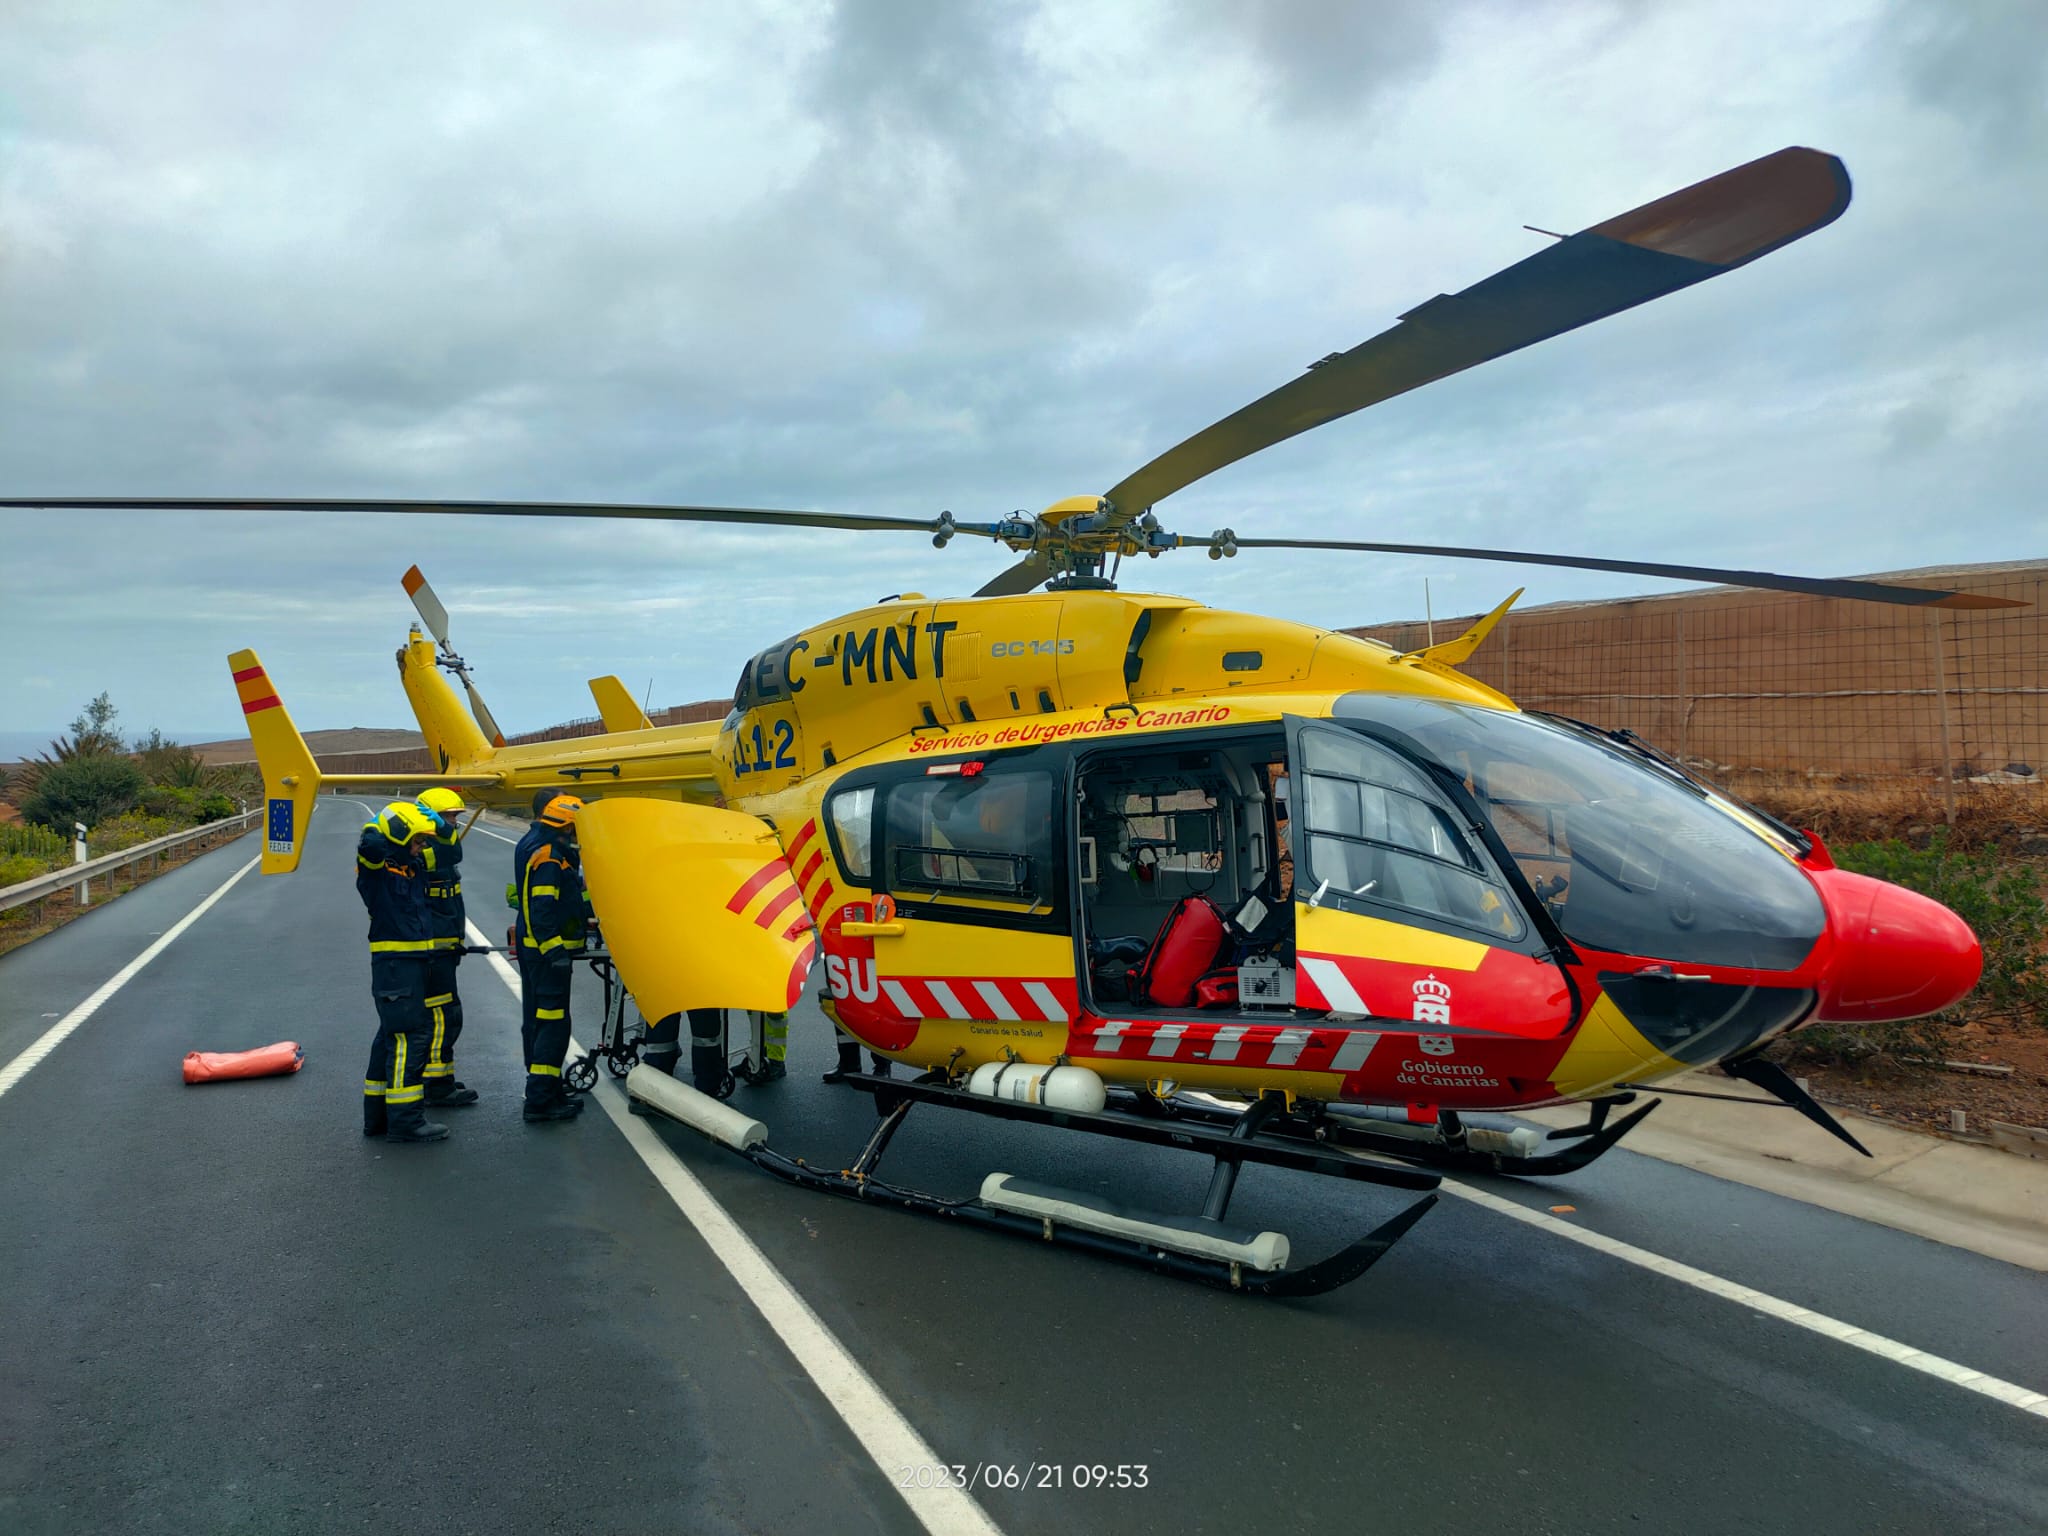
{"x": 1203, "y": 1247}
{"x": 1449, "y": 1144}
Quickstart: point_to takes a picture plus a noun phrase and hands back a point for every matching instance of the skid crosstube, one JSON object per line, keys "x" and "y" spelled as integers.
{"x": 1184, "y": 1133}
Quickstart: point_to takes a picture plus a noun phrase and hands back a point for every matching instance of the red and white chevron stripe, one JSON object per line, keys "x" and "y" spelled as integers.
{"x": 1328, "y": 1048}
{"x": 1049, "y": 1001}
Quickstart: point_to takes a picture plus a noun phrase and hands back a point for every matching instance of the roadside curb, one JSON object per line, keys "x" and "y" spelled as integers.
{"x": 1966, "y": 1196}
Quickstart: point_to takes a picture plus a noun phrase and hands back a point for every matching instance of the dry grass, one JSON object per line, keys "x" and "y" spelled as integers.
{"x": 2012, "y": 816}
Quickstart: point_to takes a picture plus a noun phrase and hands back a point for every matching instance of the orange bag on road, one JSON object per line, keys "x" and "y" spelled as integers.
{"x": 267, "y": 1061}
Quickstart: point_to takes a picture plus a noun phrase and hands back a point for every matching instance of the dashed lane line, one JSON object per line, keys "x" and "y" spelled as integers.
{"x": 896, "y": 1448}
{"x": 55, "y": 1035}
{"x": 2012, "y": 1395}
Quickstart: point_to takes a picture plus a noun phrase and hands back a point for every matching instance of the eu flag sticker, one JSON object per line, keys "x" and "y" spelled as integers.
{"x": 280, "y": 834}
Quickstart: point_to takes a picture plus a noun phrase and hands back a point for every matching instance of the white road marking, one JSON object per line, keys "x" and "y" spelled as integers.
{"x": 2022, "y": 1398}
{"x": 881, "y": 1428}
{"x": 54, "y": 1036}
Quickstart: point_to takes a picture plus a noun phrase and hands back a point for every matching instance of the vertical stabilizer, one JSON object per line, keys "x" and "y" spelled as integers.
{"x": 291, "y": 779}
{"x": 452, "y": 736}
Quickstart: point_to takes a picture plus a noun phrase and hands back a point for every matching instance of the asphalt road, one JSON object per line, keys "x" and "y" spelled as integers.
{"x": 227, "y": 1311}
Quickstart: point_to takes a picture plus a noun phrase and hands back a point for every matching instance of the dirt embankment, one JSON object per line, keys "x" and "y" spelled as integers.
{"x": 356, "y": 738}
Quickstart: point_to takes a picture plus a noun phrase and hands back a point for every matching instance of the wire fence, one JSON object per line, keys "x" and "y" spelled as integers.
{"x": 1773, "y": 692}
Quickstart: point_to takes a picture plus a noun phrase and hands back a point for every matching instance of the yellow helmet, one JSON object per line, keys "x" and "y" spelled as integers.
{"x": 403, "y": 821}
{"x": 560, "y": 811}
{"x": 444, "y": 802}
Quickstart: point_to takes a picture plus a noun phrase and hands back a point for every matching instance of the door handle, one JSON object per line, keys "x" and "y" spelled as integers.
{"x": 872, "y": 930}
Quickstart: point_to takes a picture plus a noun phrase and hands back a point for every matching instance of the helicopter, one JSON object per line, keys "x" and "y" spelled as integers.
{"x": 1123, "y": 864}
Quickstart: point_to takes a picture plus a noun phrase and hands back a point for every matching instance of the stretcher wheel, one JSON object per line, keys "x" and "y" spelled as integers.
{"x": 622, "y": 1061}
{"x": 581, "y": 1074}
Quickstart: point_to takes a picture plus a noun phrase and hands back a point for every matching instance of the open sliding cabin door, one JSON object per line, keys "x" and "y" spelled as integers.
{"x": 1401, "y": 911}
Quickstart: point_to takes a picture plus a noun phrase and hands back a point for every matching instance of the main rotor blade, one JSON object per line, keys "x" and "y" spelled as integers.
{"x": 1813, "y": 586}
{"x": 1021, "y": 577}
{"x": 482, "y": 711}
{"x": 1685, "y": 238}
{"x": 757, "y": 516}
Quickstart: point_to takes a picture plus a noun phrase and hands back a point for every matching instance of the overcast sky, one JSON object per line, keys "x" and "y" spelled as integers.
{"x": 895, "y": 258}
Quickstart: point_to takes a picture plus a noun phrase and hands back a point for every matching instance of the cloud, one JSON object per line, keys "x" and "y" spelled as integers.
{"x": 900, "y": 258}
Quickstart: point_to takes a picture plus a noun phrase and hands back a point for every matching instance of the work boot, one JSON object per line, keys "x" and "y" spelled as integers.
{"x": 553, "y": 1109}
{"x": 374, "y": 1123}
{"x": 708, "y": 1072}
{"x": 454, "y": 1095}
{"x": 849, "y": 1062}
{"x": 663, "y": 1058}
{"x": 416, "y": 1130}
{"x": 773, "y": 1070}
{"x": 880, "y": 1066}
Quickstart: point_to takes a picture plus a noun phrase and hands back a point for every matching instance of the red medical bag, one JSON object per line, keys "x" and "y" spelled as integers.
{"x": 1186, "y": 949}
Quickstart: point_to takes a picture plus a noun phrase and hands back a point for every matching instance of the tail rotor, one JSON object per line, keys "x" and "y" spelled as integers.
{"x": 436, "y": 618}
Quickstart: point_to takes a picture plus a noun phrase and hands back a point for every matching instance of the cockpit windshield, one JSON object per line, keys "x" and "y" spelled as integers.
{"x": 1628, "y": 856}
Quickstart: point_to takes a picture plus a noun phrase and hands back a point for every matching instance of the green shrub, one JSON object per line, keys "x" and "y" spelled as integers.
{"x": 21, "y": 838}
{"x": 118, "y": 832}
{"x": 87, "y": 789}
{"x": 17, "y": 867}
{"x": 161, "y": 799}
{"x": 2001, "y": 901}
{"x": 207, "y": 808}
{"x": 166, "y": 763}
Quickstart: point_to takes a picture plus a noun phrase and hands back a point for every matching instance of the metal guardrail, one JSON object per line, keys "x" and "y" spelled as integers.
{"x": 75, "y": 874}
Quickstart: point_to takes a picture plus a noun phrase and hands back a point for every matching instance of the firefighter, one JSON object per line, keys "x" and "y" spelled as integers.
{"x": 849, "y": 1059}
{"x": 662, "y": 1049}
{"x": 772, "y": 1035}
{"x": 391, "y": 878}
{"x": 550, "y": 927}
{"x": 443, "y": 853}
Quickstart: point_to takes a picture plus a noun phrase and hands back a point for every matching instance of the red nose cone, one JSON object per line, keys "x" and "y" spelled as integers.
{"x": 1897, "y": 954}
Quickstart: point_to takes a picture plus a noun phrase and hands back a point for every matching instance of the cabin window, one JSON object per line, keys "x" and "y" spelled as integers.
{"x": 852, "y": 815}
{"x": 985, "y": 836}
{"x": 1379, "y": 833}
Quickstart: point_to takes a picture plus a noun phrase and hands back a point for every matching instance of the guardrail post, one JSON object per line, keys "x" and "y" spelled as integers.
{"x": 83, "y": 890}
